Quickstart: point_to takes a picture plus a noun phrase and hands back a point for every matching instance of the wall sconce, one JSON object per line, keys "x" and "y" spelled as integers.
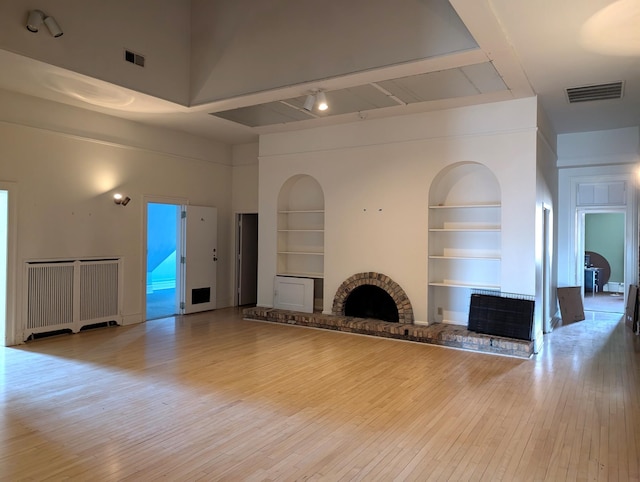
{"x": 37, "y": 17}
{"x": 118, "y": 199}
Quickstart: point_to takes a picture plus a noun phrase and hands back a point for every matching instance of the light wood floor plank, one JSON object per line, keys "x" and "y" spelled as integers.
{"x": 214, "y": 397}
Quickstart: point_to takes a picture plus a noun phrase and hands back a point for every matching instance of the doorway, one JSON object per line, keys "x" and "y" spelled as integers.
{"x": 181, "y": 258}
{"x": 603, "y": 247}
{"x": 4, "y": 231}
{"x": 163, "y": 263}
{"x": 247, "y": 259}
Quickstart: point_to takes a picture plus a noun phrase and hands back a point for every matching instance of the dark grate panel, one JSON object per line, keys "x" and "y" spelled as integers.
{"x": 501, "y": 316}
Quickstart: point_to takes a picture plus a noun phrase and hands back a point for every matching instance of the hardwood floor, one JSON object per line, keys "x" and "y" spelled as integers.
{"x": 214, "y": 397}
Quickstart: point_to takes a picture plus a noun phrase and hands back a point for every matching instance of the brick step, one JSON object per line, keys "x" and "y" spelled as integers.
{"x": 436, "y": 334}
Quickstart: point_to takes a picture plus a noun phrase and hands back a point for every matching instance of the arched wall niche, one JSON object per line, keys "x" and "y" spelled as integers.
{"x": 465, "y": 216}
{"x": 301, "y": 192}
{"x": 465, "y": 183}
{"x": 301, "y": 232}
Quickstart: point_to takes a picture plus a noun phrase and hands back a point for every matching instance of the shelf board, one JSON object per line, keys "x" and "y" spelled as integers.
{"x": 461, "y": 284}
{"x": 302, "y": 211}
{"x": 302, "y": 252}
{"x": 465, "y": 206}
{"x": 482, "y": 258}
{"x": 302, "y": 275}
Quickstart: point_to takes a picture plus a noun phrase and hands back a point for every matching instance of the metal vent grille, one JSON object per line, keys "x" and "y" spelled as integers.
{"x": 587, "y": 93}
{"x": 134, "y": 58}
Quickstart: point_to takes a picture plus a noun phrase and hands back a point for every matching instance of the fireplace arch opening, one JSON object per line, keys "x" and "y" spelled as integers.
{"x": 375, "y": 280}
{"x": 369, "y": 301}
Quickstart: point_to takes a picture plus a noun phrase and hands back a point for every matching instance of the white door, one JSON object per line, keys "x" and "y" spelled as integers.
{"x": 200, "y": 258}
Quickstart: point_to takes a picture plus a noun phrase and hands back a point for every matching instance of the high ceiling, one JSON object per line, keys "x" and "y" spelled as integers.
{"x": 238, "y": 68}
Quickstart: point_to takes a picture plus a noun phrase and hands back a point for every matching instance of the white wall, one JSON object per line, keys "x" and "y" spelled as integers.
{"x": 244, "y": 188}
{"x": 386, "y": 167}
{"x": 583, "y": 149}
{"x": 605, "y": 156}
{"x": 66, "y": 177}
{"x": 546, "y": 198}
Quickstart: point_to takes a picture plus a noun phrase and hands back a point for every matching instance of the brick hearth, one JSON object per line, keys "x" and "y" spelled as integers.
{"x": 436, "y": 334}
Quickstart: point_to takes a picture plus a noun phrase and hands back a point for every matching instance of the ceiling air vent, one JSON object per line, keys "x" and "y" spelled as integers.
{"x": 134, "y": 58}
{"x": 587, "y": 93}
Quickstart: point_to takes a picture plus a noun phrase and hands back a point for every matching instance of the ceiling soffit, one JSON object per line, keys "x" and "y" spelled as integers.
{"x": 458, "y": 82}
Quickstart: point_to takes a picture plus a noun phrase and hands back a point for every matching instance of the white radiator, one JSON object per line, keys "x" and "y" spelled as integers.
{"x": 70, "y": 294}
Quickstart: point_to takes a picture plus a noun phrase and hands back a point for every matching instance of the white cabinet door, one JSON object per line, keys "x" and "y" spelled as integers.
{"x": 200, "y": 258}
{"x": 295, "y": 294}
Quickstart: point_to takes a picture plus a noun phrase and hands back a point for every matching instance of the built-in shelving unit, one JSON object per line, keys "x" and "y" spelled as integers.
{"x": 301, "y": 231}
{"x": 464, "y": 242}
{"x": 301, "y": 243}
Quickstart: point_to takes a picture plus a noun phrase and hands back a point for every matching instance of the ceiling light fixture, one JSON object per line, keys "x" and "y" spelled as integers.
{"x": 322, "y": 101}
{"x": 37, "y": 17}
{"x": 309, "y": 102}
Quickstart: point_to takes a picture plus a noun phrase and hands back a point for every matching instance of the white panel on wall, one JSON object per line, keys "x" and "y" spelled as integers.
{"x": 294, "y": 294}
{"x": 601, "y": 194}
{"x": 616, "y": 193}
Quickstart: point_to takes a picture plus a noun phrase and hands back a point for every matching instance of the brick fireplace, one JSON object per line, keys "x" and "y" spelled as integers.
{"x": 379, "y": 280}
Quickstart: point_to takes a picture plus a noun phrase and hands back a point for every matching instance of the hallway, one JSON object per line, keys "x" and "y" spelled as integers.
{"x": 604, "y": 302}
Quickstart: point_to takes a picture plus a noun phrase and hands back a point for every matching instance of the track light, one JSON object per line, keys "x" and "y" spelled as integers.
{"x": 309, "y": 102}
{"x": 53, "y": 26}
{"x": 322, "y": 101}
{"x": 37, "y": 18}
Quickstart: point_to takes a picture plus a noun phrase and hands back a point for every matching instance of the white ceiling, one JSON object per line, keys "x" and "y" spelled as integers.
{"x": 516, "y": 48}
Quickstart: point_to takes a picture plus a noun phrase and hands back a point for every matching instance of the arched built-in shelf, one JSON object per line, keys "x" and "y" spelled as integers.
{"x": 464, "y": 239}
{"x": 301, "y": 232}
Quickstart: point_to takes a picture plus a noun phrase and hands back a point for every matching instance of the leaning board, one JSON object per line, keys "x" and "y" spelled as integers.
{"x": 631, "y": 310}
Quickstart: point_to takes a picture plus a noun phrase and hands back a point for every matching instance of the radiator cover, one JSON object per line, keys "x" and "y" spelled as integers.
{"x": 70, "y": 294}
{"x": 502, "y": 315}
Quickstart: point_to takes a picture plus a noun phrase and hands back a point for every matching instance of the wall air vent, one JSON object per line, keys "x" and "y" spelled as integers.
{"x": 587, "y": 93}
{"x": 134, "y": 58}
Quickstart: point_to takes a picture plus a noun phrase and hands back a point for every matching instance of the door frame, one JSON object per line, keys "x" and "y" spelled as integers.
{"x": 238, "y": 250}
{"x": 10, "y": 321}
{"x": 580, "y": 241}
{"x": 146, "y": 200}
